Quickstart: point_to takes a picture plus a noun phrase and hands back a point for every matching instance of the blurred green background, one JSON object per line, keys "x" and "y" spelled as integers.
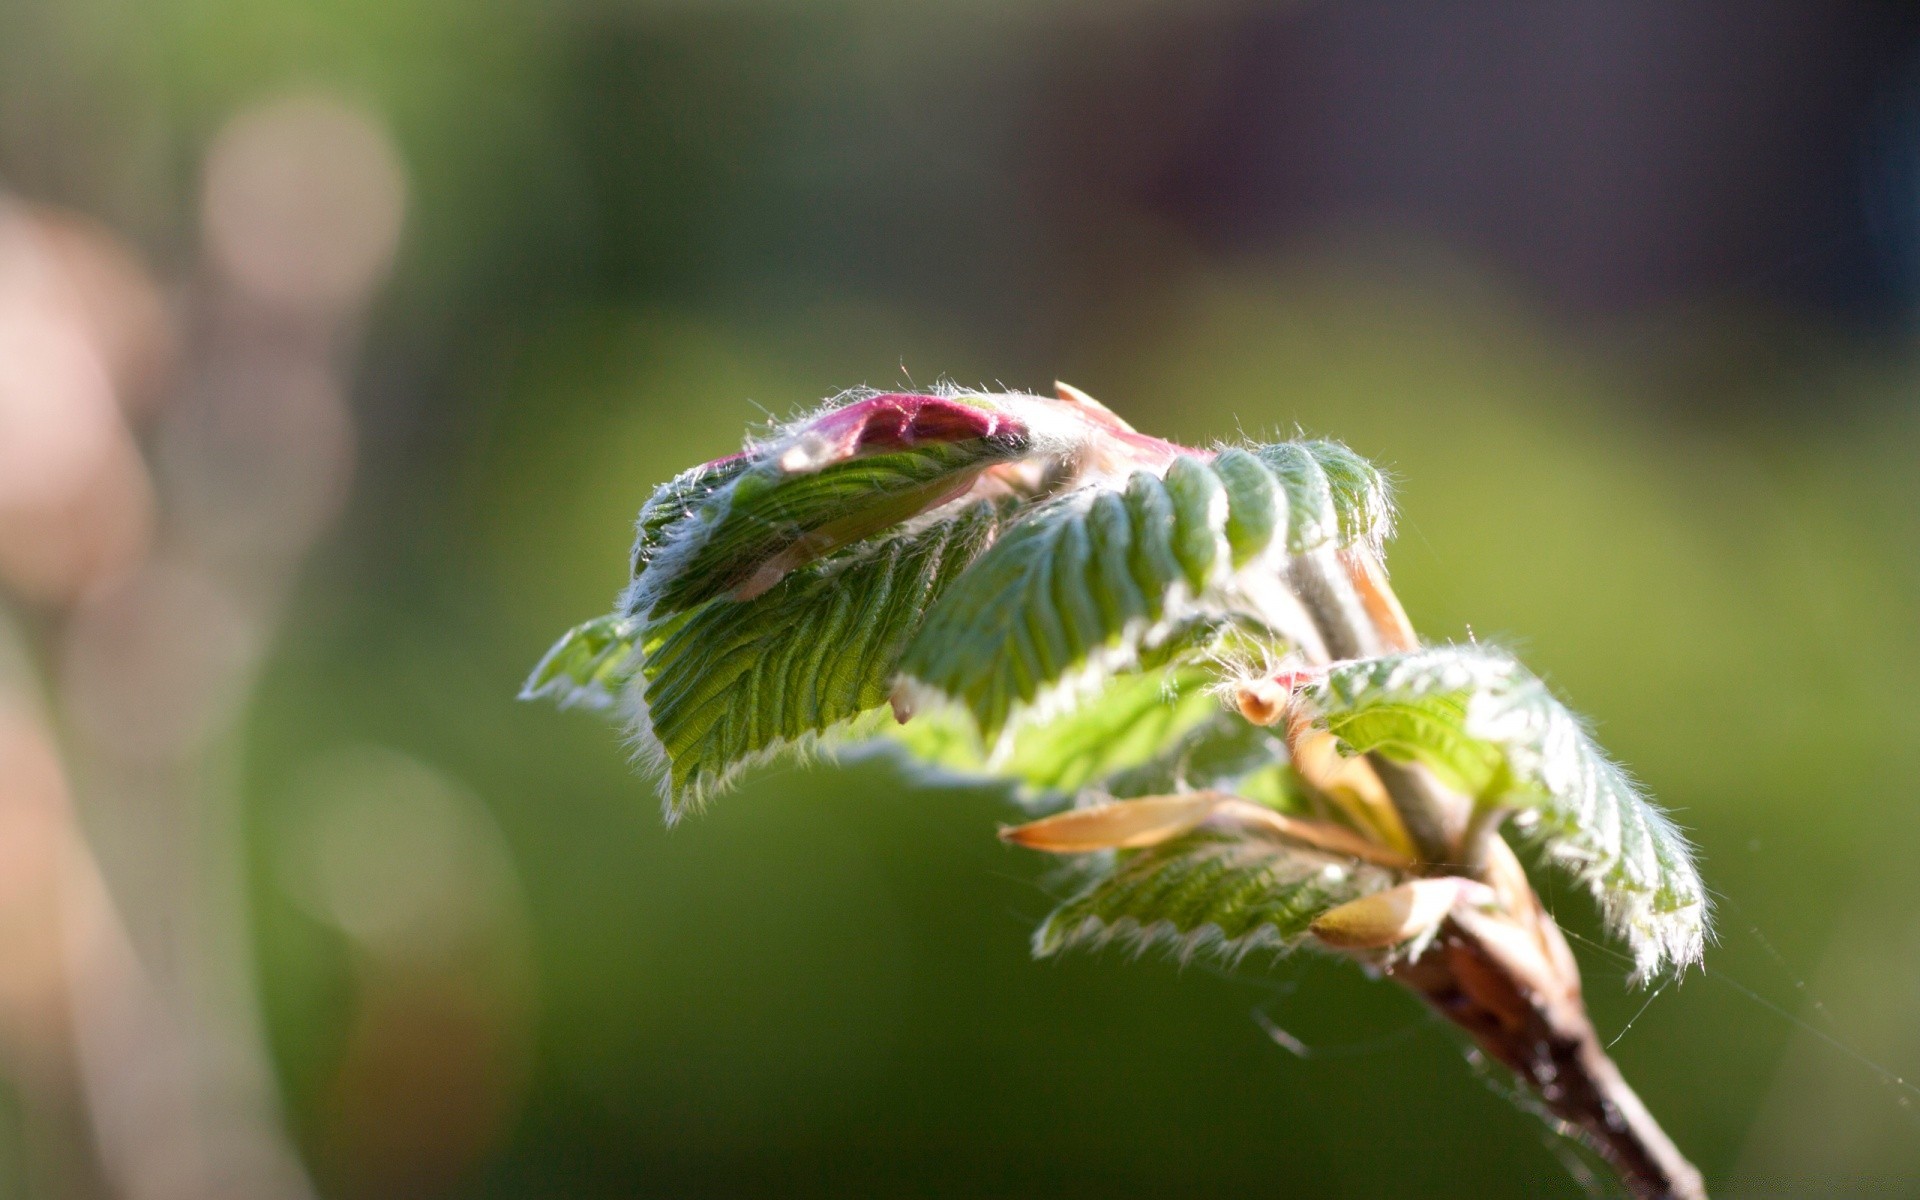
{"x": 379, "y": 321}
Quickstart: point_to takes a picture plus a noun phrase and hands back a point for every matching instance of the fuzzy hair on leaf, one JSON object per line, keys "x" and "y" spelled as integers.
{"x": 1194, "y": 657}
{"x": 1214, "y": 892}
{"x": 796, "y": 501}
{"x": 862, "y": 463}
{"x": 1056, "y": 607}
{"x": 1493, "y": 730}
{"x": 1147, "y": 732}
{"x": 1087, "y": 583}
{"x": 589, "y": 667}
{"x": 734, "y": 682}
{"x": 1338, "y": 497}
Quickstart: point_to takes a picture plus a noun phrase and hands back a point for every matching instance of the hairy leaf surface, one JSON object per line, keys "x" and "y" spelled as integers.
{"x": 1222, "y": 752}
{"x": 1213, "y": 891}
{"x": 1125, "y": 740}
{"x": 732, "y": 681}
{"x": 677, "y": 500}
{"x": 770, "y": 519}
{"x": 1488, "y": 727}
{"x": 589, "y": 666}
{"x": 865, "y": 462}
{"x": 1335, "y": 497}
{"x": 1088, "y": 582}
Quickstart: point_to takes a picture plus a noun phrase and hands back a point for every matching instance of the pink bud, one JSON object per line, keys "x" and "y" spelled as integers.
{"x": 894, "y": 421}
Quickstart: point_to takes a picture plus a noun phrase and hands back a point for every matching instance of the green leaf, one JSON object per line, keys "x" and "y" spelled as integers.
{"x": 676, "y": 501}
{"x": 1089, "y": 583}
{"x": 1137, "y": 737}
{"x": 1134, "y": 720}
{"x": 732, "y": 682}
{"x": 1089, "y": 578}
{"x": 1257, "y": 507}
{"x": 1225, "y": 752}
{"x": 770, "y": 519}
{"x": 1335, "y": 497}
{"x": 1487, "y": 726}
{"x": 589, "y": 667}
{"x": 1120, "y": 733}
{"x": 1216, "y": 891}
{"x": 1199, "y": 519}
{"x": 1003, "y": 630}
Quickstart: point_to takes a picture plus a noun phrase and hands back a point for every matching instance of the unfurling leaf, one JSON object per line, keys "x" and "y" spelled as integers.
{"x": 858, "y": 467}
{"x": 733, "y": 681}
{"x": 1335, "y": 497}
{"x": 1488, "y": 727}
{"x": 589, "y": 667}
{"x": 1093, "y": 581}
{"x": 1104, "y": 742}
{"x": 676, "y": 500}
{"x": 1223, "y": 891}
{"x": 1025, "y": 590}
{"x": 1070, "y": 581}
{"x": 1116, "y": 554}
{"x": 827, "y": 483}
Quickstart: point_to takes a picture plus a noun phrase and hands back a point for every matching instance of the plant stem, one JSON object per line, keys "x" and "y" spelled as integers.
{"x": 1543, "y": 1035}
{"x": 1507, "y": 979}
{"x": 1358, "y": 616}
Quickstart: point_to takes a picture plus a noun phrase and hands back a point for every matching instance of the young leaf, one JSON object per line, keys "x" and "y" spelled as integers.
{"x": 1178, "y": 744}
{"x": 1222, "y": 752}
{"x": 781, "y": 597}
{"x": 1129, "y": 727}
{"x": 732, "y": 682}
{"x": 589, "y": 667}
{"x": 856, "y": 468}
{"x": 1335, "y": 497}
{"x": 675, "y": 501}
{"x": 1491, "y": 729}
{"x": 1219, "y": 891}
{"x": 1088, "y": 582}
{"x": 770, "y": 519}
{"x": 1088, "y": 577}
